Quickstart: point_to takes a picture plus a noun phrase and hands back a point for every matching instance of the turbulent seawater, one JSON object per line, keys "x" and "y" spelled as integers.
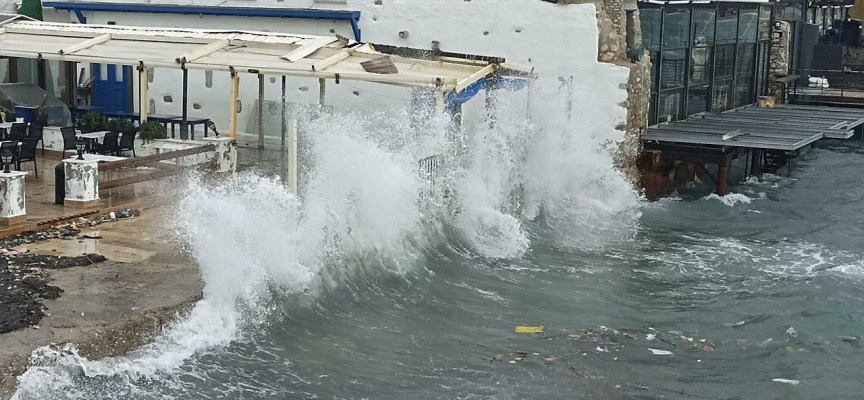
{"x": 361, "y": 288}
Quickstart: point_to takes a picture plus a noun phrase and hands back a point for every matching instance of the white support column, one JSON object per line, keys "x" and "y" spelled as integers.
{"x": 292, "y": 156}
{"x": 226, "y": 154}
{"x": 235, "y": 94}
{"x": 12, "y": 208}
{"x": 82, "y": 183}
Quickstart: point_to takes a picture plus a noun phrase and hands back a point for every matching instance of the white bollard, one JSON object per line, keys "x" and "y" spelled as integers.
{"x": 226, "y": 154}
{"x": 82, "y": 183}
{"x": 13, "y": 211}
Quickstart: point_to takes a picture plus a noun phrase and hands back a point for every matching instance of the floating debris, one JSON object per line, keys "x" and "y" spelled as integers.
{"x": 787, "y": 381}
{"x": 529, "y": 329}
{"x": 849, "y": 339}
{"x": 739, "y": 323}
{"x": 792, "y": 332}
{"x": 657, "y": 352}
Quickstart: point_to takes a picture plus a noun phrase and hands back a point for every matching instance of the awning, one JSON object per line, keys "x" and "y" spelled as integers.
{"x": 237, "y": 51}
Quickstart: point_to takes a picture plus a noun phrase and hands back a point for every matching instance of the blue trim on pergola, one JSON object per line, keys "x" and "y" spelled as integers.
{"x": 353, "y": 17}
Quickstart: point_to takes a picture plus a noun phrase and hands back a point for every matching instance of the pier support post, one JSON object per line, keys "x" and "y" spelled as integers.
{"x": 12, "y": 208}
{"x": 235, "y": 93}
{"x": 143, "y": 97}
{"x": 722, "y": 177}
{"x": 82, "y": 183}
{"x": 260, "y": 111}
{"x": 226, "y": 154}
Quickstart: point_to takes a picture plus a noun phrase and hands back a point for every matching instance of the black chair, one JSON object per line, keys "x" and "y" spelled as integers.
{"x": 109, "y": 144}
{"x": 18, "y": 132}
{"x": 127, "y": 143}
{"x": 28, "y": 153}
{"x": 3, "y": 133}
{"x": 35, "y": 132}
{"x": 69, "y": 139}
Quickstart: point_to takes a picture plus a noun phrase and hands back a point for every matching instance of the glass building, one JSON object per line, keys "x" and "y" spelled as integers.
{"x": 709, "y": 56}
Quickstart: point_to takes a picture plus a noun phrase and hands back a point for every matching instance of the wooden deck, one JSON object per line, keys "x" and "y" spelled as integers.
{"x": 39, "y": 193}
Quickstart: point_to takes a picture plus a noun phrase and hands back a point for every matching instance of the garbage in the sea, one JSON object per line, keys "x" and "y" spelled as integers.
{"x": 91, "y": 237}
{"x": 769, "y": 340}
{"x": 660, "y": 352}
{"x": 787, "y": 381}
{"x": 549, "y": 360}
{"x": 849, "y": 339}
{"x": 792, "y": 332}
{"x": 529, "y": 329}
{"x": 739, "y": 323}
{"x": 112, "y": 215}
{"x": 742, "y": 342}
{"x": 708, "y": 349}
{"x": 650, "y": 336}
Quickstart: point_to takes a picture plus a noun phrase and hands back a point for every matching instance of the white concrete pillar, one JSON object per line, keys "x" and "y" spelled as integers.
{"x": 12, "y": 208}
{"x": 82, "y": 183}
{"x": 226, "y": 154}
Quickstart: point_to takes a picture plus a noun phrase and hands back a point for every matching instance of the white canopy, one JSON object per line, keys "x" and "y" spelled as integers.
{"x": 237, "y": 51}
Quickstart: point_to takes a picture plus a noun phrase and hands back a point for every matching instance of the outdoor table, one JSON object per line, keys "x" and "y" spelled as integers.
{"x": 92, "y": 138}
{"x": 162, "y": 118}
{"x": 191, "y": 121}
{"x": 123, "y": 114}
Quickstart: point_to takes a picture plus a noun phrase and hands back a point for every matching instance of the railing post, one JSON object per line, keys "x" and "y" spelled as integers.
{"x": 12, "y": 208}
{"x": 82, "y": 183}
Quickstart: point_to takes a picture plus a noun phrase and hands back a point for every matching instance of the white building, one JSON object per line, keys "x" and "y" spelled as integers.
{"x": 559, "y": 41}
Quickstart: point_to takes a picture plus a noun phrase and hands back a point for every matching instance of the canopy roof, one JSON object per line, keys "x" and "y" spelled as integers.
{"x": 240, "y": 51}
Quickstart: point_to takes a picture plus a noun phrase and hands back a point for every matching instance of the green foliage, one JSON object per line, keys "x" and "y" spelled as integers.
{"x": 31, "y": 8}
{"x": 152, "y": 130}
{"x": 95, "y": 121}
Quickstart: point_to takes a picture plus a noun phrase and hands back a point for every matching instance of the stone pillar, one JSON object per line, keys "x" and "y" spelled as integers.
{"x": 226, "y": 154}
{"x": 12, "y": 208}
{"x": 82, "y": 183}
{"x": 779, "y": 56}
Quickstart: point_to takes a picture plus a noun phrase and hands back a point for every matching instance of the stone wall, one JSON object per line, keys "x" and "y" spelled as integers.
{"x": 779, "y": 56}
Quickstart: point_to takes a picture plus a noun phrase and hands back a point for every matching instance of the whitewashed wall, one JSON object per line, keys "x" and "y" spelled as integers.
{"x": 557, "y": 40}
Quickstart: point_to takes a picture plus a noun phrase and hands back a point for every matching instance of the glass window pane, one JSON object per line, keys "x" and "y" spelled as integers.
{"x": 698, "y": 101}
{"x": 747, "y": 22}
{"x": 676, "y": 28}
{"x": 764, "y": 22}
{"x": 703, "y": 26}
{"x": 652, "y": 106}
{"x": 700, "y": 66}
{"x": 744, "y": 91}
{"x": 650, "y": 20}
{"x": 672, "y": 68}
{"x": 4, "y": 70}
{"x": 727, "y": 25}
{"x": 721, "y": 96}
{"x": 724, "y": 61}
{"x": 655, "y": 61}
{"x": 670, "y": 105}
{"x": 118, "y": 72}
{"x": 745, "y": 60}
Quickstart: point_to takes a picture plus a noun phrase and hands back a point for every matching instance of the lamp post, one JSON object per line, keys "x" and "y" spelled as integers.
{"x": 6, "y": 158}
{"x": 80, "y": 145}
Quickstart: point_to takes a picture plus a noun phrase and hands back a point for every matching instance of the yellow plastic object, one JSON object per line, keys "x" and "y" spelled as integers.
{"x": 529, "y": 329}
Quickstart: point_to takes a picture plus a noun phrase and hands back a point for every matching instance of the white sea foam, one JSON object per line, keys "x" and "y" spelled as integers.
{"x": 730, "y": 199}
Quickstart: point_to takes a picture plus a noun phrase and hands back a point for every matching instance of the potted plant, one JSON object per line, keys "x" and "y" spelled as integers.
{"x": 93, "y": 121}
{"x": 151, "y": 130}
{"x": 123, "y": 125}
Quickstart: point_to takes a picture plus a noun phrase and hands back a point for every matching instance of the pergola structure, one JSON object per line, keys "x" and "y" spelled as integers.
{"x": 259, "y": 53}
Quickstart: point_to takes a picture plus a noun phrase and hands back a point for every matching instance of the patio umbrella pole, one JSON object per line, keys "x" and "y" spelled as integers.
{"x": 184, "y": 128}
{"x": 260, "y": 111}
{"x": 284, "y": 113}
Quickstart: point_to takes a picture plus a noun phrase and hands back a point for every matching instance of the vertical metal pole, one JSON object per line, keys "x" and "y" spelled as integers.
{"x": 710, "y": 105}
{"x": 143, "y": 97}
{"x": 687, "y": 67}
{"x": 235, "y": 93}
{"x": 260, "y": 111}
{"x": 660, "y": 63}
{"x": 322, "y": 86}
{"x": 284, "y": 112}
{"x": 292, "y": 156}
{"x": 735, "y": 60}
{"x": 184, "y": 129}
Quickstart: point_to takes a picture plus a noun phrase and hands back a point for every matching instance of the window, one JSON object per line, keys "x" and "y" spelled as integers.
{"x": 651, "y": 19}
{"x": 727, "y": 25}
{"x": 676, "y": 28}
{"x": 764, "y": 23}
{"x": 698, "y": 100}
{"x": 700, "y": 68}
{"x": 670, "y": 105}
{"x": 672, "y": 68}
{"x": 703, "y": 26}
{"x": 748, "y": 22}
{"x": 724, "y": 61}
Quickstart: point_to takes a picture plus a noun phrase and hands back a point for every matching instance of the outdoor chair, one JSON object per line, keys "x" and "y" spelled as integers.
{"x": 69, "y": 139}
{"x": 28, "y": 153}
{"x": 127, "y": 143}
{"x": 3, "y": 133}
{"x": 18, "y": 132}
{"x": 36, "y": 131}
{"x": 109, "y": 144}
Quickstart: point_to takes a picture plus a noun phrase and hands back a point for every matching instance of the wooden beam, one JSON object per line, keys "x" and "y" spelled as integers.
{"x": 329, "y": 61}
{"x": 308, "y": 47}
{"x": 204, "y": 51}
{"x": 480, "y": 74}
{"x": 136, "y": 179}
{"x": 143, "y": 97}
{"x": 145, "y": 160}
{"x": 86, "y": 44}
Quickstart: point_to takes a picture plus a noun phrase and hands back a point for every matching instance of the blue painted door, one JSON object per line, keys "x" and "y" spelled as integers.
{"x": 112, "y": 87}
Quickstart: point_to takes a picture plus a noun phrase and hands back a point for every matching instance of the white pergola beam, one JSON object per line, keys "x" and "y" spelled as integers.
{"x": 205, "y": 51}
{"x": 487, "y": 70}
{"x": 329, "y": 61}
{"x": 310, "y": 46}
{"x": 86, "y": 44}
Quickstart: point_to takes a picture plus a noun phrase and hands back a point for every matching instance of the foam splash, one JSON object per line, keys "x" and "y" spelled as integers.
{"x": 730, "y": 199}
